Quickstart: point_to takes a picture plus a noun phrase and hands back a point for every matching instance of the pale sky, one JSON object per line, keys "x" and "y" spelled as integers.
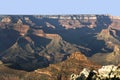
{"x": 50, "y": 7}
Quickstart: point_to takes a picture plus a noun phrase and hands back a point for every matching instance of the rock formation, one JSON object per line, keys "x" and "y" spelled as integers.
{"x": 6, "y": 20}
{"x": 107, "y": 72}
{"x": 73, "y": 64}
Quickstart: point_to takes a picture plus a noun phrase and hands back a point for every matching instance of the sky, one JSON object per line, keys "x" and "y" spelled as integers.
{"x": 55, "y": 7}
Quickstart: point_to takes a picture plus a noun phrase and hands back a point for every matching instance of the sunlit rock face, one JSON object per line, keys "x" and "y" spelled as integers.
{"x": 6, "y": 20}
{"x": 104, "y": 73}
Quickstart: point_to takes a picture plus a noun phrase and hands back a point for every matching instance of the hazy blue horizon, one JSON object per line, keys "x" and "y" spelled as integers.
{"x": 54, "y": 7}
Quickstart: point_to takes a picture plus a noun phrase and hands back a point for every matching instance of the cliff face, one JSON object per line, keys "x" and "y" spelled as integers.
{"x": 54, "y": 37}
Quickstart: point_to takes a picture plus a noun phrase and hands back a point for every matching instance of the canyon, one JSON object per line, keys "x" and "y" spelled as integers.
{"x": 46, "y": 42}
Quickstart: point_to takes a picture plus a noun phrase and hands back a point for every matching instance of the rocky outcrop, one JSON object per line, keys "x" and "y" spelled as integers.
{"x": 6, "y": 20}
{"x": 78, "y": 56}
{"x": 105, "y": 73}
{"x": 109, "y": 71}
{"x": 82, "y": 76}
{"x": 107, "y": 58}
{"x": 19, "y": 21}
{"x": 22, "y": 29}
{"x": 73, "y": 64}
{"x": 50, "y": 25}
{"x": 46, "y": 35}
{"x": 79, "y": 22}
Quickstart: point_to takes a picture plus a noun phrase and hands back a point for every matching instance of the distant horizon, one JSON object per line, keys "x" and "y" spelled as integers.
{"x": 61, "y": 7}
{"x": 54, "y": 14}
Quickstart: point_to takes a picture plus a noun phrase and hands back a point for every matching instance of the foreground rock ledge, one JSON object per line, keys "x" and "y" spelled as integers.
{"x": 108, "y": 72}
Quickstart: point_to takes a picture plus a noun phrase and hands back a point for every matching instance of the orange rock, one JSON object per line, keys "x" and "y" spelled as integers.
{"x": 78, "y": 56}
{"x": 6, "y": 20}
{"x": 22, "y": 29}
